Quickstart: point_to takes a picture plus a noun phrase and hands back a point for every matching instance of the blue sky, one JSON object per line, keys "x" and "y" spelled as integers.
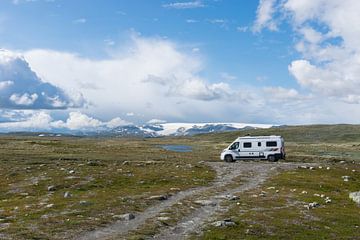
{"x": 267, "y": 61}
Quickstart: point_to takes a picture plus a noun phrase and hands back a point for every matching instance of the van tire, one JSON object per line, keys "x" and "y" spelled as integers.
{"x": 228, "y": 158}
{"x": 271, "y": 158}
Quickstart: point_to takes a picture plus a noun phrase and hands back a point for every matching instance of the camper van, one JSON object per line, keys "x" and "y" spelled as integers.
{"x": 255, "y": 147}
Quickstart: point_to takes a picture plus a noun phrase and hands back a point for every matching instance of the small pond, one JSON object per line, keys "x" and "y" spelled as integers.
{"x": 177, "y": 148}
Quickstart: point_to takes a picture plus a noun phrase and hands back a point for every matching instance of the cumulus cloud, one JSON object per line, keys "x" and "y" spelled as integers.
{"x": 150, "y": 78}
{"x": 184, "y": 5}
{"x": 280, "y": 94}
{"x": 41, "y": 120}
{"x": 328, "y": 40}
{"x": 21, "y": 88}
{"x": 264, "y": 16}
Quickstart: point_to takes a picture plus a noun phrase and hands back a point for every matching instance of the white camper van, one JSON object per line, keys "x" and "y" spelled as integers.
{"x": 255, "y": 147}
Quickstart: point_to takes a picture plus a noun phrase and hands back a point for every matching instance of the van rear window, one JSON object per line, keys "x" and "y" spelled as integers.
{"x": 247, "y": 144}
{"x": 271, "y": 144}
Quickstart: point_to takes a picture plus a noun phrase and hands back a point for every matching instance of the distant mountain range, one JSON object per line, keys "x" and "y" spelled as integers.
{"x": 156, "y": 130}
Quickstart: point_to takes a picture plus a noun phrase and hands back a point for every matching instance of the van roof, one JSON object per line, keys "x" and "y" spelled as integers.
{"x": 260, "y": 137}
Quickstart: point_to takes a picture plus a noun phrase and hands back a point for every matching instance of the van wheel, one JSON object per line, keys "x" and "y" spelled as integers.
{"x": 229, "y": 158}
{"x": 271, "y": 158}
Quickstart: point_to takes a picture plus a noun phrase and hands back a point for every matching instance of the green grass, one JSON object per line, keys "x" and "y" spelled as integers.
{"x": 115, "y": 176}
{"x": 282, "y": 215}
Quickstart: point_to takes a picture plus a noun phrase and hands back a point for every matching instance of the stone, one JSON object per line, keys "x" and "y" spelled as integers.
{"x": 71, "y": 171}
{"x": 67, "y": 194}
{"x": 327, "y": 200}
{"x": 312, "y": 205}
{"x": 125, "y": 217}
{"x": 51, "y": 188}
{"x": 163, "y": 218}
{"x": 346, "y": 178}
{"x": 159, "y": 197}
{"x": 224, "y": 223}
{"x": 50, "y": 205}
{"x": 328, "y": 168}
{"x": 304, "y": 192}
{"x": 355, "y": 196}
{"x": 270, "y": 188}
{"x": 205, "y": 202}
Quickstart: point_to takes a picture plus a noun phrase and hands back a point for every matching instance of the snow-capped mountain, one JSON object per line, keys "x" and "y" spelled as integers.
{"x": 179, "y": 129}
{"x": 151, "y": 130}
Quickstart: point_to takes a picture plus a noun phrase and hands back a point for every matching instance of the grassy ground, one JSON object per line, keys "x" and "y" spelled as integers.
{"x": 107, "y": 177}
{"x": 282, "y": 215}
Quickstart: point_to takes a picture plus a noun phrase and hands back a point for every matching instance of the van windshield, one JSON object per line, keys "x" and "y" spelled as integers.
{"x": 234, "y": 146}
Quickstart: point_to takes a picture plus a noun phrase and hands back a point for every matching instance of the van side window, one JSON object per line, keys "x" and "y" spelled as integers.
{"x": 271, "y": 144}
{"x": 259, "y": 144}
{"x": 247, "y": 145}
{"x": 234, "y": 146}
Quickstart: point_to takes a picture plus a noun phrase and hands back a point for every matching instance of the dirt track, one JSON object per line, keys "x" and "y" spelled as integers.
{"x": 252, "y": 175}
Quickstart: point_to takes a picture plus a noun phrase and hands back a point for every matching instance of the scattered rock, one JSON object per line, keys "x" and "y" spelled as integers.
{"x": 224, "y": 223}
{"x": 125, "y": 163}
{"x": 311, "y": 168}
{"x": 163, "y": 218}
{"x": 293, "y": 190}
{"x": 327, "y": 200}
{"x": 175, "y": 189}
{"x": 51, "y": 188}
{"x": 125, "y": 217}
{"x": 84, "y": 203}
{"x": 277, "y": 191}
{"x": 205, "y": 202}
{"x": 270, "y": 188}
{"x": 304, "y": 192}
{"x": 71, "y": 171}
{"x": 320, "y": 167}
{"x": 328, "y": 168}
{"x": 342, "y": 162}
{"x": 346, "y": 178}
{"x": 322, "y": 195}
{"x": 67, "y": 194}
{"x": 50, "y": 205}
{"x": 355, "y": 196}
{"x": 312, "y": 205}
{"x": 159, "y": 197}
{"x": 316, "y": 195}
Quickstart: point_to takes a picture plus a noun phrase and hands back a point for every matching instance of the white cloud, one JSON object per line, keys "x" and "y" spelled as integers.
{"x": 156, "y": 121}
{"x": 184, "y": 5}
{"x": 227, "y": 77}
{"x": 35, "y": 121}
{"x": 280, "y": 94}
{"x": 5, "y": 84}
{"x": 41, "y": 120}
{"x": 80, "y": 21}
{"x": 191, "y": 21}
{"x": 151, "y": 78}
{"x": 21, "y": 88}
{"x": 81, "y": 121}
{"x": 25, "y": 99}
{"x": 264, "y": 16}
{"x": 328, "y": 40}
{"x": 242, "y": 29}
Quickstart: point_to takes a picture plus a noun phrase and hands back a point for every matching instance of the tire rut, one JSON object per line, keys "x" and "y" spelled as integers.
{"x": 226, "y": 172}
